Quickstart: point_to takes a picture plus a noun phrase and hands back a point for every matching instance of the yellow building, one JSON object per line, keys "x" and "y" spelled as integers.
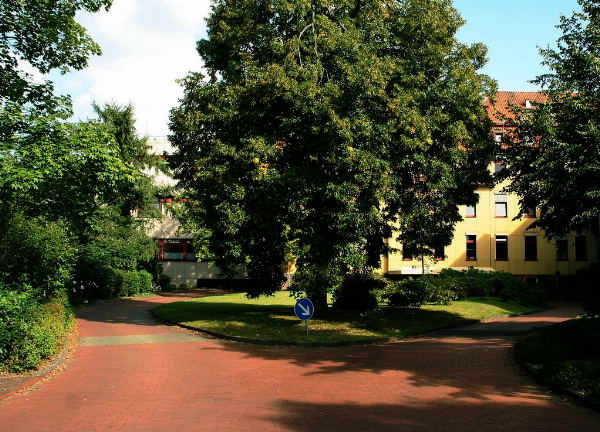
{"x": 488, "y": 238}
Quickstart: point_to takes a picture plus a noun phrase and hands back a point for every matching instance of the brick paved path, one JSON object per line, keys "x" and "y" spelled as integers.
{"x": 133, "y": 374}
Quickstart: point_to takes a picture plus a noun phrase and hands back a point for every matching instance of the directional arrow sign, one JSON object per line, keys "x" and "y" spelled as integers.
{"x": 304, "y": 309}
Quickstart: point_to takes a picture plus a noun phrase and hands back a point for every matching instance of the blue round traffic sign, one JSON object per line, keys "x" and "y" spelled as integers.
{"x": 304, "y": 309}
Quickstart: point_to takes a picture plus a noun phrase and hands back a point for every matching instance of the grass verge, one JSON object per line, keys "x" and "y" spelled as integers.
{"x": 273, "y": 318}
{"x": 566, "y": 354}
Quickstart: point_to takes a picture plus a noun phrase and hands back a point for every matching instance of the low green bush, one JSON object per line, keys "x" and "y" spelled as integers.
{"x": 567, "y": 354}
{"x": 588, "y": 282}
{"x": 410, "y": 293}
{"x": 582, "y": 377}
{"x": 164, "y": 281}
{"x": 525, "y": 294}
{"x": 30, "y": 332}
{"x": 135, "y": 283}
{"x": 95, "y": 280}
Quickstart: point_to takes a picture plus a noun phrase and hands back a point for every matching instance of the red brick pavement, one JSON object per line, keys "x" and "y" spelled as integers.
{"x": 464, "y": 380}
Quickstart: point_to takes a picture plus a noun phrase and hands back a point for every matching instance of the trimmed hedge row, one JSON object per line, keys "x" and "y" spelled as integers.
{"x": 365, "y": 292}
{"x": 452, "y": 285}
{"x": 94, "y": 280}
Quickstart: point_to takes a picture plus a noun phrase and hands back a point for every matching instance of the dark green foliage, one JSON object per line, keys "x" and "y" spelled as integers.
{"x": 121, "y": 247}
{"x": 36, "y": 252}
{"x": 358, "y": 291}
{"x": 525, "y": 294}
{"x": 575, "y": 339}
{"x": 442, "y": 291}
{"x": 164, "y": 282}
{"x": 152, "y": 266}
{"x": 409, "y": 293}
{"x": 450, "y": 285}
{"x": 354, "y": 121}
{"x": 135, "y": 283}
{"x": 95, "y": 280}
{"x": 567, "y": 353}
{"x": 372, "y": 319}
{"x": 583, "y": 377}
{"x": 588, "y": 285}
{"x": 30, "y": 331}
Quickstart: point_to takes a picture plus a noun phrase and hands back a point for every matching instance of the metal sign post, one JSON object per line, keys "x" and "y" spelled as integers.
{"x": 304, "y": 310}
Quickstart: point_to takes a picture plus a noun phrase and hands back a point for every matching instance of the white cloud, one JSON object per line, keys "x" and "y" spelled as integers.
{"x": 146, "y": 45}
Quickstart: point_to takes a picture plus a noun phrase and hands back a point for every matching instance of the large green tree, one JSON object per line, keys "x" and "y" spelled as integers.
{"x": 553, "y": 156}
{"x": 44, "y": 34}
{"x": 325, "y": 127}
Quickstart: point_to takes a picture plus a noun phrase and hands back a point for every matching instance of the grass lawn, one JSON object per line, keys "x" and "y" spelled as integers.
{"x": 273, "y": 318}
{"x": 567, "y": 354}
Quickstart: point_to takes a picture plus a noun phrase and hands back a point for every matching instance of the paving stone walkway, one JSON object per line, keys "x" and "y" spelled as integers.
{"x": 131, "y": 373}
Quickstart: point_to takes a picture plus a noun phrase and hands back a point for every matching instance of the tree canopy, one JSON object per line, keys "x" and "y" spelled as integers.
{"x": 325, "y": 127}
{"x": 553, "y": 157}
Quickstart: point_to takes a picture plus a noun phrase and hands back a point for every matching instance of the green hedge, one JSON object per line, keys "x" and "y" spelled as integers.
{"x": 94, "y": 280}
{"x": 30, "y": 332}
{"x": 452, "y": 285}
{"x": 135, "y": 283}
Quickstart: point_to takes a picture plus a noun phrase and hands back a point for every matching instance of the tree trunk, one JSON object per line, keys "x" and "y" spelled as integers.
{"x": 319, "y": 301}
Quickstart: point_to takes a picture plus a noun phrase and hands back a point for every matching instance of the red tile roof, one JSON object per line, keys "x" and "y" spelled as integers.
{"x": 504, "y": 100}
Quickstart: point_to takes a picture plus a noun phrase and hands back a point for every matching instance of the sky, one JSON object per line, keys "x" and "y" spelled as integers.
{"x": 148, "y": 44}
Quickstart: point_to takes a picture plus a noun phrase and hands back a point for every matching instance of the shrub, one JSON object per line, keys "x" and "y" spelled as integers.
{"x": 38, "y": 253}
{"x": 182, "y": 286}
{"x": 30, "y": 331}
{"x": 135, "y": 283}
{"x": 145, "y": 282}
{"x": 441, "y": 291}
{"x": 98, "y": 280}
{"x": 525, "y": 294}
{"x": 408, "y": 293}
{"x": 588, "y": 281}
{"x": 164, "y": 281}
{"x": 566, "y": 352}
{"x": 358, "y": 291}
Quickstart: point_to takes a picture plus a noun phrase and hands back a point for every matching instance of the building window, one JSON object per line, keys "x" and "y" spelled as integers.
{"x": 471, "y": 247}
{"x": 562, "y": 249}
{"x": 580, "y": 248}
{"x": 439, "y": 253}
{"x": 501, "y": 248}
{"x": 530, "y": 214}
{"x": 471, "y": 211}
{"x": 176, "y": 250}
{"x": 498, "y": 166}
{"x": 501, "y": 205}
{"x": 530, "y": 248}
{"x": 498, "y": 136}
{"x": 407, "y": 252}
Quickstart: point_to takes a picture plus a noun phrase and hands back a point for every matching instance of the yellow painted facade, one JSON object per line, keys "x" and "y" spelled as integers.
{"x": 489, "y": 230}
